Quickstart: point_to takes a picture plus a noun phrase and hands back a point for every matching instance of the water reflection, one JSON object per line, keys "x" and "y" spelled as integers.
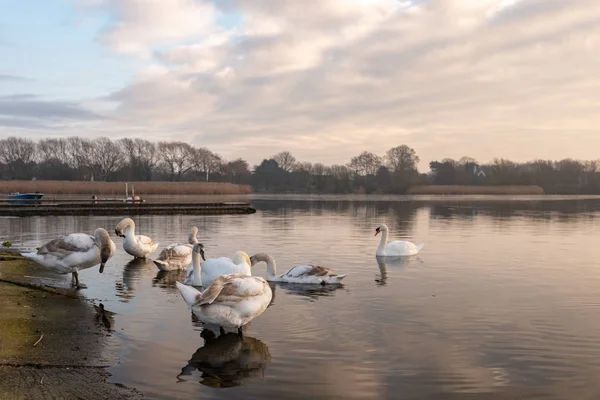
{"x": 311, "y": 291}
{"x": 133, "y": 273}
{"x": 227, "y": 360}
{"x": 398, "y": 262}
{"x": 166, "y": 280}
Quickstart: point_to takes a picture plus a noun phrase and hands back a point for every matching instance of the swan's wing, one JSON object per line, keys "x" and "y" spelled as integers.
{"x": 400, "y": 246}
{"x": 233, "y": 288}
{"x": 67, "y": 244}
{"x": 308, "y": 270}
{"x": 144, "y": 239}
{"x": 175, "y": 252}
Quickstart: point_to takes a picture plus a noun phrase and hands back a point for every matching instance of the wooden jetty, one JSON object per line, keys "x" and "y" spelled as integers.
{"x": 112, "y": 207}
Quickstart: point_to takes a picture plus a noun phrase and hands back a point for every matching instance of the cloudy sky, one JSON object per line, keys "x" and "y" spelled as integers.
{"x": 325, "y": 79}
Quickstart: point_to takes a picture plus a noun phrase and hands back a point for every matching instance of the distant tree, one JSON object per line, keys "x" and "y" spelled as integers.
{"x": 268, "y": 176}
{"x": 285, "y": 160}
{"x": 176, "y": 159}
{"x": 236, "y": 171}
{"x": 52, "y": 149}
{"x": 18, "y": 155}
{"x": 17, "y": 150}
{"x": 402, "y": 158}
{"x": 141, "y": 156}
{"x": 206, "y": 162}
{"x": 366, "y": 163}
{"x": 444, "y": 173}
{"x": 80, "y": 152}
{"x": 107, "y": 158}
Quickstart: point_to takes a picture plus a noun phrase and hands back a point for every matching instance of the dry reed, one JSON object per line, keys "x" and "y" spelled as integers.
{"x": 118, "y": 188}
{"x": 475, "y": 190}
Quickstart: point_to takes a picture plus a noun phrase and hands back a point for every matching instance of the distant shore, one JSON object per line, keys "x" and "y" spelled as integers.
{"x": 118, "y": 188}
{"x": 476, "y": 190}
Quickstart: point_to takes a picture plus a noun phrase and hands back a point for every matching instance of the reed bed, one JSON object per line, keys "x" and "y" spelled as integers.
{"x": 476, "y": 190}
{"x": 118, "y": 188}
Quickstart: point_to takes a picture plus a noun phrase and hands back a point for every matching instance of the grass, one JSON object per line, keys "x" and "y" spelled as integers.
{"x": 458, "y": 189}
{"x": 118, "y": 188}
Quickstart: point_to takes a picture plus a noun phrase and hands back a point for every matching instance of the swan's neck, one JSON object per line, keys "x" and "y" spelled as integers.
{"x": 129, "y": 232}
{"x": 383, "y": 242}
{"x": 196, "y": 265}
{"x": 271, "y": 266}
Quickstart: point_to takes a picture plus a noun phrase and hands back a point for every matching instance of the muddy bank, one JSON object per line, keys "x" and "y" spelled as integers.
{"x": 53, "y": 342}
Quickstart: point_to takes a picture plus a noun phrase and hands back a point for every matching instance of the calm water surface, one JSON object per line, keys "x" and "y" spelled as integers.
{"x": 503, "y": 302}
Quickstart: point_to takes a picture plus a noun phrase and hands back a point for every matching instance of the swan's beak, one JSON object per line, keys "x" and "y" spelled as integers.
{"x": 377, "y": 232}
{"x": 202, "y": 254}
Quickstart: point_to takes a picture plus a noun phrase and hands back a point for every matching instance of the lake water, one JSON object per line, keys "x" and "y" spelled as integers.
{"x": 502, "y": 302}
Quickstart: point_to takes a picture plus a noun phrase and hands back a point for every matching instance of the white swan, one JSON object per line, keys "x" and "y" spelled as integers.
{"x": 178, "y": 255}
{"x": 299, "y": 274}
{"x": 215, "y": 267}
{"x": 193, "y": 276}
{"x": 231, "y": 301}
{"x": 395, "y": 248}
{"x": 138, "y": 246}
{"x": 74, "y": 252}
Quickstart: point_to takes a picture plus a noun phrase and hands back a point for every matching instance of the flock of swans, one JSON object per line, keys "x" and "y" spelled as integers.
{"x": 232, "y": 296}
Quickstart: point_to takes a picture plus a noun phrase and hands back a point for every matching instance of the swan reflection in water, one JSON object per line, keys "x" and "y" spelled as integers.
{"x": 398, "y": 261}
{"x": 312, "y": 291}
{"x": 227, "y": 360}
{"x": 132, "y": 274}
{"x": 166, "y": 280}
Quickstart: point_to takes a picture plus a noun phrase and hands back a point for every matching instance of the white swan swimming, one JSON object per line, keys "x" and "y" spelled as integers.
{"x": 299, "y": 274}
{"x": 230, "y": 302}
{"x": 395, "y": 248}
{"x": 74, "y": 252}
{"x": 178, "y": 255}
{"x": 138, "y": 246}
{"x": 215, "y": 267}
{"x": 193, "y": 276}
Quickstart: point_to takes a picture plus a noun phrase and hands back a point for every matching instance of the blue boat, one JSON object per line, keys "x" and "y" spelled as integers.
{"x": 24, "y": 198}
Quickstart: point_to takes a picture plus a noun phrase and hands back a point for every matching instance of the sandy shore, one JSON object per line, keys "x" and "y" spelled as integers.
{"x": 53, "y": 342}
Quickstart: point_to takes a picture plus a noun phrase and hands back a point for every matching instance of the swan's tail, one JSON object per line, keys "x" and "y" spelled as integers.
{"x": 419, "y": 247}
{"x": 190, "y": 295}
{"x": 338, "y": 278}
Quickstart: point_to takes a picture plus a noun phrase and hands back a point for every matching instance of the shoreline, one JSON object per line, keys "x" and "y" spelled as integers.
{"x": 53, "y": 342}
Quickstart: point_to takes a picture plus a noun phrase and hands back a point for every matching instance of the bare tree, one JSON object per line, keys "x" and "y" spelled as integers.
{"x": 141, "y": 155}
{"x": 402, "y": 158}
{"x": 206, "y": 162}
{"x": 15, "y": 150}
{"x": 53, "y": 149}
{"x": 107, "y": 158}
{"x": 318, "y": 169}
{"x": 79, "y": 152}
{"x": 19, "y": 155}
{"x": 304, "y": 167}
{"x": 285, "y": 160}
{"x": 176, "y": 158}
{"x": 366, "y": 163}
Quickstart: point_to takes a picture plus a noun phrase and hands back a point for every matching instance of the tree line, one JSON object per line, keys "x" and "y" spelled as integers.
{"x": 103, "y": 159}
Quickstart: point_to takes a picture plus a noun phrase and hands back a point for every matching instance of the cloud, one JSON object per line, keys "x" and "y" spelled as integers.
{"x": 137, "y": 26}
{"x": 13, "y": 78}
{"x": 511, "y": 78}
{"x": 29, "y": 111}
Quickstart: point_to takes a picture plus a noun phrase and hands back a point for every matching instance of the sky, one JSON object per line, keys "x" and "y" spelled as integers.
{"x": 326, "y": 79}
